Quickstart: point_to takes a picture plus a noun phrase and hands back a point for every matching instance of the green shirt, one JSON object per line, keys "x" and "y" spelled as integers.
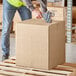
{"x": 16, "y": 3}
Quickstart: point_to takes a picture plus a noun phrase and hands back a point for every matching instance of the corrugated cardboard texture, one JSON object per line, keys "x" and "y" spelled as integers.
{"x": 16, "y": 19}
{"x": 1, "y": 12}
{"x": 57, "y": 4}
{"x": 40, "y": 45}
{"x": 0, "y": 1}
{"x": 59, "y": 13}
{"x": 74, "y": 12}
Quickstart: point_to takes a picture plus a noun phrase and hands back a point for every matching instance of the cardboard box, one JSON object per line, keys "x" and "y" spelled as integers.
{"x": 57, "y": 4}
{"x": 0, "y": 1}
{"x": 74, "y": 12}
{"x": 50, "y": 4}
{"x": 16, "y": 19}
{"x": 1, "y": 12}
{"x": 59, "y": 13}
{"x": 74, "y": 21}
{"x": 39, "y": 44}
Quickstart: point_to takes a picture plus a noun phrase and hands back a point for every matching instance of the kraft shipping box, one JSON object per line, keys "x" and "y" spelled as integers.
{"x": 39, "y": 44}
{"x": 58, "y": 11}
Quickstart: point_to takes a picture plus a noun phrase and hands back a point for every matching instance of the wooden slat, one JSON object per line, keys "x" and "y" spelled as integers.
{"x": 9, "y": 68}
{"x": 10, "y": 61}
{"x": 23, "y": 71}
{"x": 70, "y": 64}
{"x": 67, "y": 68}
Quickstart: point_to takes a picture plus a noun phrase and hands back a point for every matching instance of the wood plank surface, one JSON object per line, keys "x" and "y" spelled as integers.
{"x": 9, "y": 68}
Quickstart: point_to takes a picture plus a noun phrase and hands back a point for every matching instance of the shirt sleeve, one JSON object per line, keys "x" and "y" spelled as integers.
{"x": 43, "y": 4}
{"x": 29, "y": 4}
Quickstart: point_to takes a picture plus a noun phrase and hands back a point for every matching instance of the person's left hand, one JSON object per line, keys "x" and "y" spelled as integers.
{"x": 37, "y": 13}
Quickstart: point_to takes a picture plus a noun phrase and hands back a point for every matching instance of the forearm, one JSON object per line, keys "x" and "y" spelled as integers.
{"x": 43, "y": 4}
{"x": 29, "y": 4}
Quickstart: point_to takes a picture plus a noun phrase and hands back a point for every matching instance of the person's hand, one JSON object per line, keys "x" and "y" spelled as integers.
{"x": 48, "y": 16}
{"x": 37, "y": 13}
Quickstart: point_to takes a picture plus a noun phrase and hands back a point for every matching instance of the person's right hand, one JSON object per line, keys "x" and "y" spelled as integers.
{"x": 48, "y": 16}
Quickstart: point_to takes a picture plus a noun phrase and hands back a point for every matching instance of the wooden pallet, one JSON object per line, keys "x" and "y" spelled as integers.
{"x": 9, "y": 68}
